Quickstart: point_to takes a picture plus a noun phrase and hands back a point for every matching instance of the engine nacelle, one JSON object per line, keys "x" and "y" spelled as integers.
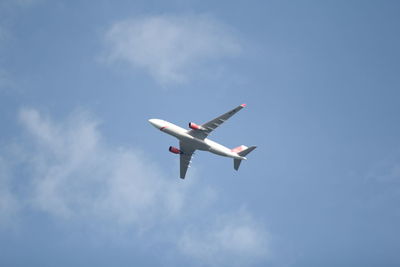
{"x": 174, "y": 150}
{"x": 194, "y": 126}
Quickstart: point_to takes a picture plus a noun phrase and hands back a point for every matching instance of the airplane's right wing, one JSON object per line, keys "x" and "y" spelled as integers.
{"x": 210, "y": 126}
{"x": 185, "y": 158}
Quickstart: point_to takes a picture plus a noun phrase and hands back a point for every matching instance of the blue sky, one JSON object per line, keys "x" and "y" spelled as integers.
{"x": 85, "y": 180}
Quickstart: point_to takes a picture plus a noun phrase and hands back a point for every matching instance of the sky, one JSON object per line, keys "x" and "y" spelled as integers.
{"x": 85, "y": 180}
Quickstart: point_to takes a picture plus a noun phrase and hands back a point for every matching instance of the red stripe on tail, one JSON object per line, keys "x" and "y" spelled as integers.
{"x": 238, "y": 149}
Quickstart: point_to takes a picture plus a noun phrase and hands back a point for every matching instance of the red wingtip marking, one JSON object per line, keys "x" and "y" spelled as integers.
{"x": 243, "y": 105}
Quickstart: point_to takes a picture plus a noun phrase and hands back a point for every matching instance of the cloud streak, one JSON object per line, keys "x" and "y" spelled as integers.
{"x": 170, "y": 48}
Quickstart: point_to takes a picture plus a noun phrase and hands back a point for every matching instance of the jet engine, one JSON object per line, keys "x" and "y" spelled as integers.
{"x": 174, "y": 150}
{"x": 194, "y": 126}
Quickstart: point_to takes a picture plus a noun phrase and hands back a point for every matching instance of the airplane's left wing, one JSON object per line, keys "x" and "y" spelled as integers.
{"x": 210, "y": 126}
{"x": 185, "y": 158}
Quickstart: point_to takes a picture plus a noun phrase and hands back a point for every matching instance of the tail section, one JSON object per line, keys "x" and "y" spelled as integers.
{"x": 241, "y": 151}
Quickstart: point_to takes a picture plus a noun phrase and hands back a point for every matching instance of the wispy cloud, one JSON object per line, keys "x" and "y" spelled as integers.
{"x": 170, "y": 48}
{"x": 72, "y": 174}
{"x": 235, "y": 239}
{"x": 77, "y": 175}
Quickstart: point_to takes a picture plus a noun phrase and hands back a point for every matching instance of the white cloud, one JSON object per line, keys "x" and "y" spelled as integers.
{"x": 235, "y": 239}
{"x": 75, "y": 174}
{"x": 170, "y": 48}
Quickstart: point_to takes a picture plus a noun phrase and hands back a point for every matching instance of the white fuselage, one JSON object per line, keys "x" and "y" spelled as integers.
{"x": 193, "y": 142}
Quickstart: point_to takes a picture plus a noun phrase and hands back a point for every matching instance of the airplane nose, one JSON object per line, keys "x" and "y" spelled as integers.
{"x": 154, "y": 122}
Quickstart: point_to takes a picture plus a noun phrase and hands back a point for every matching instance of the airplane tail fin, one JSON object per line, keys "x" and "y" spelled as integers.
{"x": 241, "y": 151}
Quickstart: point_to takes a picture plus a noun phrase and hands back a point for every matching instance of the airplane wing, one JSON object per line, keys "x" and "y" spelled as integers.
{"x": 210, "y": 126}
{"x": 185, "y": 158}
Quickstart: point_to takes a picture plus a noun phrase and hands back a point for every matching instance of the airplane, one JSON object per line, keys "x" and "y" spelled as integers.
{"x": 196, "y": 139}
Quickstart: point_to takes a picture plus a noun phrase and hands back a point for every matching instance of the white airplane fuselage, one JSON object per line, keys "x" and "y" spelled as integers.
{"x": 194, "y": 142}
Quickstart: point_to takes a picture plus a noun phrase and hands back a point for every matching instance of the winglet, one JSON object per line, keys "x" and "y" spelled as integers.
{"x": 243, "y": 105}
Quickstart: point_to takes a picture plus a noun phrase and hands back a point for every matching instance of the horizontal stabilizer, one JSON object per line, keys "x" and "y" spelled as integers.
{"x": 246, "y": 151}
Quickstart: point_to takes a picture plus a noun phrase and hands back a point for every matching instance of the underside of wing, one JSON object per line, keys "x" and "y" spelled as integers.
{"x": 210, "y": 126}
{"x": 185, "y": 158}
